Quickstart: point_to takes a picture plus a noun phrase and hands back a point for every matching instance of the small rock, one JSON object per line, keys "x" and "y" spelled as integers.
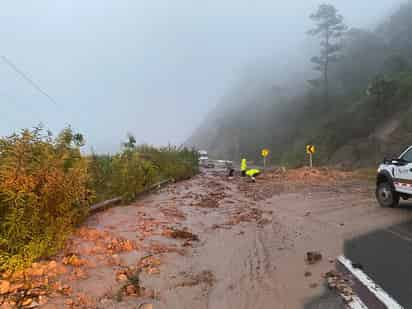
{"x": 43, "y": 300}
{"x": 187, "y": 243}
{"x": 308, "y": 274}
{"x": 183, "y": 234}
{"x": 347, "y": 291}
{"x": 340, "y": 286}
{"x": 121, "y": 277}
{"x": 313, "y": 285}
{"x": 15, "y": 287}
{"x": 116, "y": 259}
{"x": 146, "y": 306}
{"x": 153, "y": 271}
{"x": 313, "y": 257}
{"x": 9, "y": 304}
{"x": 73, "y": 260}
{"x": 18, "y": 275}
{"x": 35, "y": 271}
{"x": 33, "y": 304}
{"x": 6, "y": 275}
{"x": 36, "y": 292}
{"x": 69, "y": 302}
{"x": 332, "y": 274}
{"x": 131, "y": 290}
{"x": 105, "y": 301}
{"x": 27, "y": 302}
{"x": 66, "y": 289}
{"x": 52, "y": 265}
{"x": 4, "y": 287}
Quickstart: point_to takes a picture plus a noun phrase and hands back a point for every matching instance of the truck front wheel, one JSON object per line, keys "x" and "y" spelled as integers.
{"x": 386, "y": 195}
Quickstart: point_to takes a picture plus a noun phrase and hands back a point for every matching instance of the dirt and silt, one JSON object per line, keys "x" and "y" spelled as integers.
{"x": 209, "y": 242}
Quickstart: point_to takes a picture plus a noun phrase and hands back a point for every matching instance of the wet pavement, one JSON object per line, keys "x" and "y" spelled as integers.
{"x": 385, "y": 255}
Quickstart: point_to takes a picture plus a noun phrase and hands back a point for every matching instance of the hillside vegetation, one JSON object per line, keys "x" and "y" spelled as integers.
{"x": 367, "y": 114}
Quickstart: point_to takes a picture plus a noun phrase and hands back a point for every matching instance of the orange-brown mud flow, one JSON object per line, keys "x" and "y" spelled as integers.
{"x": 209, "y": 242}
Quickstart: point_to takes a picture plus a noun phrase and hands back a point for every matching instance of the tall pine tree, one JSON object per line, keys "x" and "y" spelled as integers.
{"x": 330, "y": 28}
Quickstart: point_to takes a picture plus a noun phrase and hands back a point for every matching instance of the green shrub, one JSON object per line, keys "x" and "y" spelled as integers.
{"x": 132, "y": 175}
{"x": 43, "y": 193}
{"x": 100, "y": 170}
{"x": 137, "y": 168}
{"x": 47, "y": 186}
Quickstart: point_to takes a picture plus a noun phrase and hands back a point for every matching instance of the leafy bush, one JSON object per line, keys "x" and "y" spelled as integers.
{"x": 138, "y": 167}
{"x": 47, "y": 186}
{"x": 172, "y": 162}
{"x": 132, "y": 174}
{"x": 100, "y": 169}
{"x": 43, "y": 193}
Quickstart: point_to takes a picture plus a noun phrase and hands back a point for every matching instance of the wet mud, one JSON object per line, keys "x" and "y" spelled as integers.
{"x": 210, "y": 242}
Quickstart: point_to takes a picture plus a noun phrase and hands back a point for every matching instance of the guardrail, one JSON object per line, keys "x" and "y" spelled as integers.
{"x": 101, "y": 206}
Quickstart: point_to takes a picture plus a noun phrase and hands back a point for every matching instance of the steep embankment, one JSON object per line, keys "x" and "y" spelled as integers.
{"x": 367, "y": 115}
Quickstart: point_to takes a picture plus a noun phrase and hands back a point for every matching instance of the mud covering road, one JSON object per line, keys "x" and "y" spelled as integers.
{"x": 211, "y": 242}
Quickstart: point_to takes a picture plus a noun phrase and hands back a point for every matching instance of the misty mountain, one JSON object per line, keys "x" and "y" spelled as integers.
{"x": 368, "y": 113}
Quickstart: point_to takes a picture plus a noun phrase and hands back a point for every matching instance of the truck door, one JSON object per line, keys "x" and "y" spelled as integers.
{"x": 403, "y": 174}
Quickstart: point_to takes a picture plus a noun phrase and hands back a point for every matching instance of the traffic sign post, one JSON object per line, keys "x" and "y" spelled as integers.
{"x": 310, "y": 150}
{"x": 265, "y": 153}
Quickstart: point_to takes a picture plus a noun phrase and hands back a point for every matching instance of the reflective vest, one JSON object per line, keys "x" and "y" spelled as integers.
{"x": 243, "y": 165}
{"x": 252, "y": 172}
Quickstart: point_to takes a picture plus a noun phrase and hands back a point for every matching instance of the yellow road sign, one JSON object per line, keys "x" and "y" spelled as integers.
{"x": 310, "y": 149}
{"x": 265, "y": 152}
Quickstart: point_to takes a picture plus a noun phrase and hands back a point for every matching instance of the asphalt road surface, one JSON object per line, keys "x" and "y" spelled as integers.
{"x": 385, "y": 255}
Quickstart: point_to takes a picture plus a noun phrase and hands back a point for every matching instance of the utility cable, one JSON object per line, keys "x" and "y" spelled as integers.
{"x": 27, "y": 79}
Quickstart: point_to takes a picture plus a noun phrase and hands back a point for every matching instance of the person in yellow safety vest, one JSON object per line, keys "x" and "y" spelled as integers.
{"x": 243, "y": 167}
{"x": 252, "y": 173}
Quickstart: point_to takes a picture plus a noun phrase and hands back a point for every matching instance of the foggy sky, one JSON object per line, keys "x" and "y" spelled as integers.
{"x": 150, "y": 67}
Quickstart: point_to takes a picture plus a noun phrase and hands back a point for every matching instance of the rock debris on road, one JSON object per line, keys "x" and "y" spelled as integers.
{"x": 209, "y": 242}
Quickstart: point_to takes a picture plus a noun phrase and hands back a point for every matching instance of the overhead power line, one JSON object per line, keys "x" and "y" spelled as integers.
{"x": 27, "y": 79}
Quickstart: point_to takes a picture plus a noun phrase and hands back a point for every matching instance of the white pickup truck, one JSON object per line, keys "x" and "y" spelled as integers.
{"x": 394, "y": 179}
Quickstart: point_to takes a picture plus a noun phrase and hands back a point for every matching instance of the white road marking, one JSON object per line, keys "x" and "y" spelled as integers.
{"x": 374, "y": 288}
